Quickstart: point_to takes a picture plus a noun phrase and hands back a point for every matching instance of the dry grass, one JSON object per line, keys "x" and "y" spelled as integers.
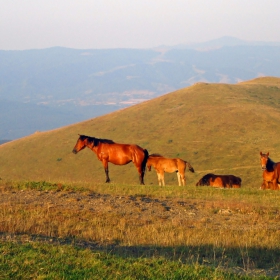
{"x": 216, "y": 127}
{"x": 237, "y": 228}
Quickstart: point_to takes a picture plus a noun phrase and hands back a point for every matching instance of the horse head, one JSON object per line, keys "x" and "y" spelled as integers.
{"x": 82, "y": 142}
{"x": 199, "y": 183}
{"x": 148, "y": 165}
{"x": 204, "y": 181}
{"x": 151, "y": 159}
{"x": 264, "y": 160}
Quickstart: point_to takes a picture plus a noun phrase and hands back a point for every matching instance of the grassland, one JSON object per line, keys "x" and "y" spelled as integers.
{"x": 195, "y": 232}
{"x": 59, "y": 220}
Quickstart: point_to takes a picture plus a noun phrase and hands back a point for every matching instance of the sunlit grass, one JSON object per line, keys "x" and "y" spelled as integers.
{"x": 250, "y": 242}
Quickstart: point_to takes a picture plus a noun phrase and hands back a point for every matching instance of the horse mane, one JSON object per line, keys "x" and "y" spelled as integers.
{"x": 96, "y": 141}
{"x": 270, "y": 164}
{"x": 155, "y": 155}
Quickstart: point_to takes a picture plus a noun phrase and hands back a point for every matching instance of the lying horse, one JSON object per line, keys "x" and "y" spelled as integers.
{"x": 170, "y": 165}
{"x": 271, "y": 173}
{"x": 220, "y": 181}
{"x": 119, "y": 154}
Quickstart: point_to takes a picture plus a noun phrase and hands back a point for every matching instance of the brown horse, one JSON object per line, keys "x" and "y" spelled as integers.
{"x": 119, "y": 154}
{"x": 271, "y": 173}
{"x": 220, "y": 181}
{"x": 170, "y": 165}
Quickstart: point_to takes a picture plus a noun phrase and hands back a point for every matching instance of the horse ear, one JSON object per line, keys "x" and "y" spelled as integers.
{"x": 260, "y": 153}
{"x": 267, "y": 154}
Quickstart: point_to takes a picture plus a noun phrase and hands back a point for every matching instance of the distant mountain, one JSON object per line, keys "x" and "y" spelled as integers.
{"x": 226, "y": 41}
{"x": 57, "y": 86}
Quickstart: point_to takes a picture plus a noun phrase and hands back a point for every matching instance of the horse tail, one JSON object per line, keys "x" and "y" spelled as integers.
{"x": 146, "y": 155}
{"x": 190, "y": 167}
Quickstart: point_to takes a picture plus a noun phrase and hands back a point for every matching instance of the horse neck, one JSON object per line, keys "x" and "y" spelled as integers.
{"x": 92, "y": 143}
{"x": 270, "y": 165}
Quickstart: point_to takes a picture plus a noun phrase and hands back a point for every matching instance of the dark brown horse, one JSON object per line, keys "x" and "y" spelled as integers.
{"x": 119, "y": 154}
{"x": 170, "y": 165}
{"x": 220, "y": 181}
{"x": 271, "y": 173}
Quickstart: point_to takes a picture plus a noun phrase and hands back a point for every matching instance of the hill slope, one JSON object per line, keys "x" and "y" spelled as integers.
{"x": 218, "y": 128}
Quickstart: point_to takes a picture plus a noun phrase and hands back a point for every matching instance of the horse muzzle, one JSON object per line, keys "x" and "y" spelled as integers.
{"x": 74, "y": 151}
{"x": 263, "y": 168}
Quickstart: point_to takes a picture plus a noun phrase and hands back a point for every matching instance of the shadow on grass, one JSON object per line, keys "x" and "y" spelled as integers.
{"x": 245, "y": 258}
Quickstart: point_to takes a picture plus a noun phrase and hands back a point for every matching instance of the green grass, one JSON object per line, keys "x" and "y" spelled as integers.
{"x": 47, "y": 261}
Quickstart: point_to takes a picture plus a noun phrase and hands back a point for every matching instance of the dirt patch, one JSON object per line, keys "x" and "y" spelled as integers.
{"x": 141, "y": 209}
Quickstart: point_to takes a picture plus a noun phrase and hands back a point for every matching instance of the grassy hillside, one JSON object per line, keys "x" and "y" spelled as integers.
{"x": 218, "y": 128}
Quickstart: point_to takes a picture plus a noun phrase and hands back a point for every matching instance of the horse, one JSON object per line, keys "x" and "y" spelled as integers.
{"x": 170, "y": 165}
{"x": 220, "y": 181}
{"x": 271, "y": 173}
{"x": 118, "y": 154}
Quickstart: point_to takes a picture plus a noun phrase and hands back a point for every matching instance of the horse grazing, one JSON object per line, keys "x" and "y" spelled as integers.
{"x": 170, "y": 165}
{"x": 119, "y": 154}
{"x": 220, "y": 181}
{"x": 271, "y": 173}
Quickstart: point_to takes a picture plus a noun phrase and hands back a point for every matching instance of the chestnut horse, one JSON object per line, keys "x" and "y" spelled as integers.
{"x": 271, "y": 173}
{"x": 119, "y": 154}
{"x": 170, "y": 165}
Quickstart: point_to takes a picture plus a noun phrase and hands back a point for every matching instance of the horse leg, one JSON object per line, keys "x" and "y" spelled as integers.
{"x": 274, "y": 185}
{"x": 140, "y": 162}
{"x": 141, "y": 175}
{"x": 181, "y": 165}
{"x": 161, "y": 174}
{"x": 264, "y": 185}
{"x": 183, "y": 178}
{"x": 179, "y": 178}
{"x": 141, "y": 171}
{"x": 105, "y": 164}
{"x": 159, "y": 179}
{"x": 162, "y": 179}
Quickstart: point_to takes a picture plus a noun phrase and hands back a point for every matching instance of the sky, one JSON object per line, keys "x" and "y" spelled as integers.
{"x": 99, "y": 24}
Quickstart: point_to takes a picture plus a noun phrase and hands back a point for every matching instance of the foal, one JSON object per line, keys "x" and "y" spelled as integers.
{"x": 170, "y": 165}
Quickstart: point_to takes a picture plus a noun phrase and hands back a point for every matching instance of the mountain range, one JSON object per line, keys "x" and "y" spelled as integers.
{"x": 49, "y": 88}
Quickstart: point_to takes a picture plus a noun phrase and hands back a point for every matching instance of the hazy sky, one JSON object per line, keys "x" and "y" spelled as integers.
{"x": 28, "y": 24}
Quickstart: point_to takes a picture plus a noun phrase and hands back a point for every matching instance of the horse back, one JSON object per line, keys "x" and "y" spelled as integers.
{"x": 161, "y": 163}
{"x": 222, "y": 181}
{"x": 216, "y": 181}
{"x": 181, "y": 164}
{"x": 121, "y": 153}
{"x": 231, "y": 181}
